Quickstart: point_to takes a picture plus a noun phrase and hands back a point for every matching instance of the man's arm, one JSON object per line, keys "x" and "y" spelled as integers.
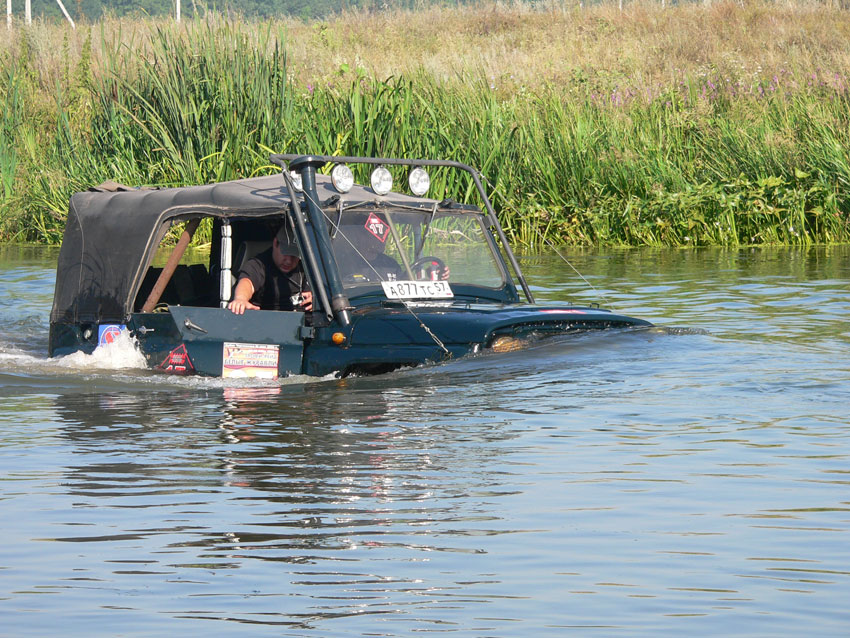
{"x": 242, "y": 297}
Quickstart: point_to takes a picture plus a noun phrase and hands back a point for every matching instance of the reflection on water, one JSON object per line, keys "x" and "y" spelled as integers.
{"x": 688, "y": 479}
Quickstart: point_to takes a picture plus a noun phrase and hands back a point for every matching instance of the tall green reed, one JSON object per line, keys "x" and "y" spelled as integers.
{"x": 685, "y": 164}
{"x": 198, "y": 107}
{"x": 10, "y": 119}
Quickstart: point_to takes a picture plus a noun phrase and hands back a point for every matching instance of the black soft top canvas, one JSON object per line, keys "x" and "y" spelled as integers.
{"x": 111, "y": 236}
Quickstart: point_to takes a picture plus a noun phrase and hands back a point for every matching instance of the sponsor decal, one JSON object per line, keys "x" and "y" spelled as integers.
{"x": 177, "y": 361}
{"x": 242, "y": 360}
{"x": 378, "y": 227}
{"x": 108, "y": 332}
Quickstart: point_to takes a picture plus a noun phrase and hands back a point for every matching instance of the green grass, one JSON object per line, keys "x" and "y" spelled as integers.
{"x": 708, "y": 155}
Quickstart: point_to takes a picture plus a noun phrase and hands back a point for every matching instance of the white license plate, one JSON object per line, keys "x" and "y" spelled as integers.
{"x": 417, "y": 289}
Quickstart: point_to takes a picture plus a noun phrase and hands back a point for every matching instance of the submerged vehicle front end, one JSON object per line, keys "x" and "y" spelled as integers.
{"x": 393, "y": 335}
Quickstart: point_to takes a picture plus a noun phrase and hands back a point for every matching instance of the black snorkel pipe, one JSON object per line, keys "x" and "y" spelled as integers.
{"x": 307, "y": 166}
{"x": 311, "y": 264}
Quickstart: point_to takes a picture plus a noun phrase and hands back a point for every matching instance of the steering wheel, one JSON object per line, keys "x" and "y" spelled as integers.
{"x": 432, "y": 266}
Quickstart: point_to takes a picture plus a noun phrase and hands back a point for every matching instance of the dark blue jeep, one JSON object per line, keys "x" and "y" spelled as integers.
{"x": 397, "y": 279}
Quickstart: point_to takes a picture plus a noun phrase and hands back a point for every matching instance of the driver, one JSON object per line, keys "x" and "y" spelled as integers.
{"x": 364, "y": 258}
{"x": 372, "y": 263}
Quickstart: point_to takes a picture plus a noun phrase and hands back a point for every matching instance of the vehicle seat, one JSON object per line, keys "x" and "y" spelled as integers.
{"x": 246, "y": 251}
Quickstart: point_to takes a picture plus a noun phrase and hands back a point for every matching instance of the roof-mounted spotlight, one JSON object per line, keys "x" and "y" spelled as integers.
{"x": 342, "y": 178}
{"x": 382, "y": 180}
{"x": 419, "y": 181}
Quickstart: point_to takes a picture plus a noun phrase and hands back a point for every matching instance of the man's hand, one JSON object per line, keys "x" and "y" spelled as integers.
{"x": 242, "y": 297}
{"x": 239, "y": 306}
{"x": 306, "y": 301}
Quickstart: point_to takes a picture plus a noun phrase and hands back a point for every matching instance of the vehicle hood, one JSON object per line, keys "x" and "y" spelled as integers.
{"x": 458, "y": 322}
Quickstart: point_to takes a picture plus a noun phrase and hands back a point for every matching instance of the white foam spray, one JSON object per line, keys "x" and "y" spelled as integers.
{"x": 122, "y": 354}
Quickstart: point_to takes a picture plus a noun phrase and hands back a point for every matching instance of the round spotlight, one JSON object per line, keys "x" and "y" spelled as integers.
{"x": 296, "y": 180}
{"x": 382, "y": 180}
{"x": 342, "y": 178}
{"x": 419, "y": 181}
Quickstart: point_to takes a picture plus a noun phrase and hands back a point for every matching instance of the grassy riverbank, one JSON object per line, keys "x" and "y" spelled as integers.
{"x": 682, "y": 126}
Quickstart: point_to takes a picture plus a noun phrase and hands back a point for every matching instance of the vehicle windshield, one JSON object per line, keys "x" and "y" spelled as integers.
{"x": 372, "y": 245}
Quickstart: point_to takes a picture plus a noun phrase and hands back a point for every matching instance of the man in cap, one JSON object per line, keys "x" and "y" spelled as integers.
{"x": 273, "y": 280}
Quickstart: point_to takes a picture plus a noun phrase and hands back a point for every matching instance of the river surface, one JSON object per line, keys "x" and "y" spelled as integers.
{"x": 690, "y": 480}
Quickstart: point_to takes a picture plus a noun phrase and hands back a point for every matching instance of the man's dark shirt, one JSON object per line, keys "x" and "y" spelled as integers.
{"x": 273, "y": 288}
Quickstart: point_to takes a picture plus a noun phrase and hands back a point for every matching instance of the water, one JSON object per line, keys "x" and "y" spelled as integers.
{"x": 693, "y": 479}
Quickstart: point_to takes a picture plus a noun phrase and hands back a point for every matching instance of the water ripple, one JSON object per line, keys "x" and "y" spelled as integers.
{"x": 687, "y": 479}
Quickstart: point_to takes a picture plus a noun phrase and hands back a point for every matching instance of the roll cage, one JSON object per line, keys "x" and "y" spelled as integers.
{"x": 310, "y": 163}
{"x": 318, "y": 221}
